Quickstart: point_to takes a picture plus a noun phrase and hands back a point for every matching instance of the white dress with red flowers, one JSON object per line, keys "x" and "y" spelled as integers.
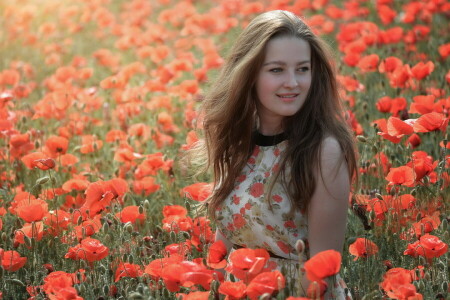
{"x": 248, "y": 219}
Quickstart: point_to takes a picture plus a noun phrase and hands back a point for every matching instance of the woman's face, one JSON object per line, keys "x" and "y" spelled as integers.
{"x": 283, "y": 82}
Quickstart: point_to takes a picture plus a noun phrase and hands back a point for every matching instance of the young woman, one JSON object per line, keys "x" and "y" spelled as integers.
{"x": 278, "y": 144}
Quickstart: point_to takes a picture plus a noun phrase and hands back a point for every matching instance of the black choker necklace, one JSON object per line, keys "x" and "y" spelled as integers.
{"x": 268, "y": 140}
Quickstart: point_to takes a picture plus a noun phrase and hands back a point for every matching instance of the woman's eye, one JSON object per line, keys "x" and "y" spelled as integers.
{"x": 303, "y": 69}
{"x": 276, "y": 70}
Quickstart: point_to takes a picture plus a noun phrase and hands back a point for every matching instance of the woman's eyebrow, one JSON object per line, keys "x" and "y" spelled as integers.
{"x": 279, "y": 62}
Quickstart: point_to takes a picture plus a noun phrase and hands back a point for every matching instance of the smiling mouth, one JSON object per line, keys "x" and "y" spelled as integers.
{"x": 287, "y": 96}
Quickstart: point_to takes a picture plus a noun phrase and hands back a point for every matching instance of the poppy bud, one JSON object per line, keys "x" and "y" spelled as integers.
{"x": 361, "y": 138}
{"x": 128, "y": 227}
{"x": 215, "y": 286}
{"x": 300, "y": 246}
{"x": 105, "y": 290}
{"x": 173, "y": 236}
{"x": 444, "y": 225}
{"x": 187, "y": 205}
{"x": 105, "y": 227}
{"x": 379, "y": 196}
{"x": 146, "y": 204}
{"x": 42, "y": 180}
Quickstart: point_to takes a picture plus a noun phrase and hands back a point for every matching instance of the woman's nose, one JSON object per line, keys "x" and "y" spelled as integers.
{"x": 291, "y": 80}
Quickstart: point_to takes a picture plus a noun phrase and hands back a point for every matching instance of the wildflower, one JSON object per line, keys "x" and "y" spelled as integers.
{"x": 216, "y": 255}
{"x": 322, "y": 265}
{"x": 127, "y": 270}
{"x": 233, "y": 290}
{"x": 199, "y": 191}
{"x": 131, "y": 214}
{"x": 428, "y": 246}
{"x": 430, "y": 122}
{"x": 403, "y": 175}
{"x": 266, "y": 282}
{"x": 12, "y": 261}
{"x": 363, "y": 248}
{"x": 32, "y": 210}
{"x": 246, "y": 263}
{"x": 89, "y": 249}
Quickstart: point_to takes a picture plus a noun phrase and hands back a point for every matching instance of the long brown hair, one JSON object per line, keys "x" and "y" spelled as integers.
{"x": 230, "y": 112}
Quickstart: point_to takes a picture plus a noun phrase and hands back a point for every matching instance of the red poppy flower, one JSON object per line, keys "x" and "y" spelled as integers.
{"x": 430, "y": 122}
{"x": 33, "y": 230}
{"x": 322, "y": 265}
{"x": 31, "y": 160}
{"x": 12, "y": 261}
{"x": 199, "y": 191}
{"x": 201, "y": 232}
{"x": 233, "y": 290}
{"x": 363, "y": 248}
{"x": 398, "y": 128}
{"x": 56, "y": 281}
{"x": 422, "y": 70}
{"x": 32, "y": 210}
{"x": 88, "y": 227}
{"x": 131, "y": 214}
{"x": 100, "y": 194}
{"x": 428, "y": 246}
{"x": 217, "y": 253}
{"x": 403, "y": 175}
{"x": 382, "y": 126}
{"x": 414, "y": 140}
{"x": 146, "y": 185}
{"x": 427, "y": 224}
{"x": 57, "y": 145}
{"x": 424, "y": 104}
{"x": 45, "y": 164}
{"x": 246, "y": 263}
{"x": 266, "y": 282}
{"x": 389, "y": 64}
{"x": 155, "y": 267}
{"x": 394, "y": 278}
{"x": 405, "y": 291}
{"x": 90, "y": 143}
{"x": 57, "y": 220}
{"x": 174, "y": 210}
{"x": 422, "y": 163}
{"x": 89, "y": 249}
{"x": 194, "y": 296}
{"x": 127, "y": 270}
{"x": 369, "y": 63}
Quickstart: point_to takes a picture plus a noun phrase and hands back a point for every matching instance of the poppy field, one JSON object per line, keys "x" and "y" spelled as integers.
{"x": 99, "y": 100}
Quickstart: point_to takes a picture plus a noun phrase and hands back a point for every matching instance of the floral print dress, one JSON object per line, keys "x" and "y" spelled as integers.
{"x": 248, "y": 219}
